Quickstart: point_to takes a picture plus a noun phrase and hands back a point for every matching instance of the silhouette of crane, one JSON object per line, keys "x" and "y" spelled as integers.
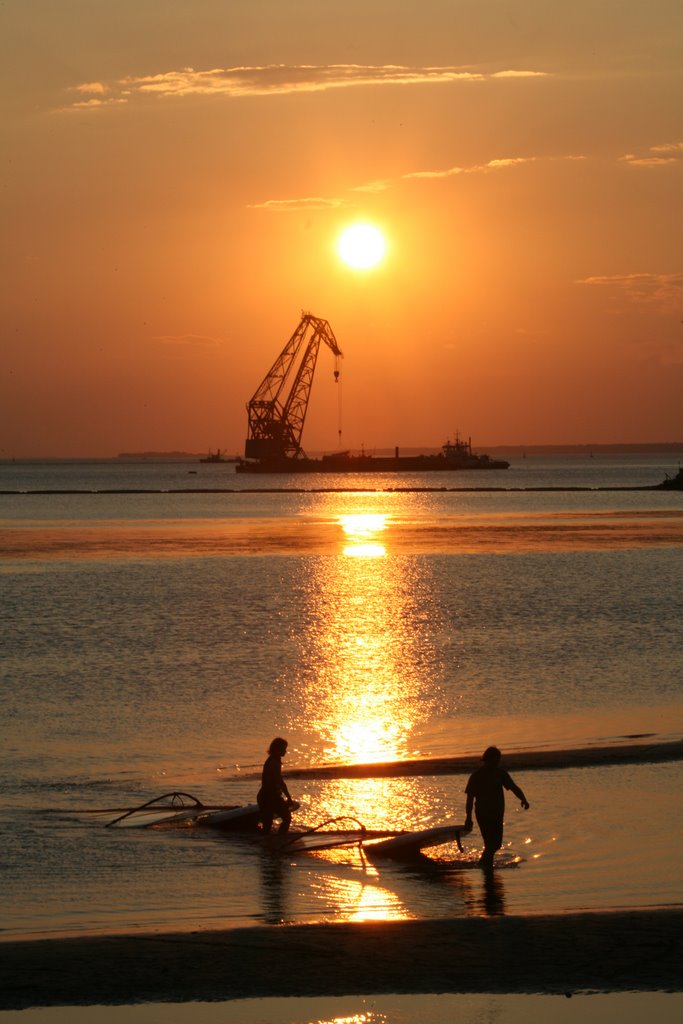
{"x": 276, "y": 417}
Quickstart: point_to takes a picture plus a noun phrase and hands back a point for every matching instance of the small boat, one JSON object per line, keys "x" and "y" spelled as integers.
{"x": 671, "y": 483}
{"x": 215, "y": 457}
{"x": 183, "y": 810}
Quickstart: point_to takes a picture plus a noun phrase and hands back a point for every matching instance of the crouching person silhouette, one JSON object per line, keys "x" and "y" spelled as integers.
{"x": 273, "y": 797}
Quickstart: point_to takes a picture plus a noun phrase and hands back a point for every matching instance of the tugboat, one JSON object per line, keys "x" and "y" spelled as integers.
{"x": 459, "y": 455}
{"x": 215, "y": 457}
{"x": 671, "y": 483}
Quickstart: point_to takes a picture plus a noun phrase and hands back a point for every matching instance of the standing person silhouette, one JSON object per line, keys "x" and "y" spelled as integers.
{"x": 273, "y": 797}
{"x": 485, "y": 793}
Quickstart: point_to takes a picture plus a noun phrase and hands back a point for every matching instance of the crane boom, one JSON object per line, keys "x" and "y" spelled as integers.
{"x": 277, "y": 417}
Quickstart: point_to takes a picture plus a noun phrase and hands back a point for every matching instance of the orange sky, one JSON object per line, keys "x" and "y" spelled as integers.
{"x": 176, "y": 174}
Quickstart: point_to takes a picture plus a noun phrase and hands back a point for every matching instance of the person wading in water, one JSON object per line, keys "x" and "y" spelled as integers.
{"x": 485, "y": 793}
{"x": 273, "y": 797}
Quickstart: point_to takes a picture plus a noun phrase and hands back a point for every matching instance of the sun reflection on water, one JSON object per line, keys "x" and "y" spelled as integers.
{"x": 361, "y": 650}
{"x": 365, "y": 902}
{"x": 396, "y": 803}
{"x": 369, "y": 1017}
{"x": 361, "y": 528}
{"x": 363, "y": 524}
{"x": 365, "y": 550}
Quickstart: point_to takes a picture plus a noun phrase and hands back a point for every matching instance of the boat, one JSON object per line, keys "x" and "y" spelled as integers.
{"x": 277, "y": 413}
{"x": 216, "y": 457}
{"x": 183, "y": 810}
{"x": 454, "y": 455}
{"x": 671, "y": 483}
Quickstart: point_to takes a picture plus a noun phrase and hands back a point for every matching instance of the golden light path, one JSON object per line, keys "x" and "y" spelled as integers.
{"x": 365, "y": 691}
{"x": 370, "y": 709}
{"x": 362, "y": 666}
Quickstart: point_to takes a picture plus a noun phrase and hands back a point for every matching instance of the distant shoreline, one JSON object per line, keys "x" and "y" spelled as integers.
{"x": 519, "y": 450}
{"x": 640, "y": 448}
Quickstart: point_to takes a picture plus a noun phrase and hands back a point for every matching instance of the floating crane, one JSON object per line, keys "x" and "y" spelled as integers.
{"x": 276, "y": 418}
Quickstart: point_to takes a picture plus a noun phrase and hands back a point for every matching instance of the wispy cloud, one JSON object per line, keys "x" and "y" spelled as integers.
{"x": 379, "y": 185}
{"x": 664, "y": 291}
{"x": 497, "y": 164}
{"x": 652, "y": 294}
{"x": 383, "y": 184}
{"x": 95, "y": 88}
{"x": 276, "y": 79}
{"x": 657, "y": 156}
{"x": 307, "y": 203}
{"x": 93, "y": 95}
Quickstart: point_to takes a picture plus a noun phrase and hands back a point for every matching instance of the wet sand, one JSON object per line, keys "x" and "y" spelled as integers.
{"x": 614, "y": 951}
{"x": 643, "y": 752}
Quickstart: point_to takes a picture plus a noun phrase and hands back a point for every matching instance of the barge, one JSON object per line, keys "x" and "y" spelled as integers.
{"x": 454, "y": 455}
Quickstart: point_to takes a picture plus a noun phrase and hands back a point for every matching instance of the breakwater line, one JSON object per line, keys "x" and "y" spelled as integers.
{"x": 557, "y": 489}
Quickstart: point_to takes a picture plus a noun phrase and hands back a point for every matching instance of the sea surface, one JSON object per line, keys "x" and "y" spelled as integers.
{"x": 161, "y": 622}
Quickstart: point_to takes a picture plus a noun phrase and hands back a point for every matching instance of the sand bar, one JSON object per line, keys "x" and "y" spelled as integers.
{"x": 605, "y": 952}
{"x": 523, "y": 760}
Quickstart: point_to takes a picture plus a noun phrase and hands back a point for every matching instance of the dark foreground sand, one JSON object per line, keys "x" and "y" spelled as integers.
{"x": 605, "y": 952}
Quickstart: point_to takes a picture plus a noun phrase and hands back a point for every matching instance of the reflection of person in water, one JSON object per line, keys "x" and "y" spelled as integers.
{"x": 485, "y": 792}
{"x": 273, "y": 796}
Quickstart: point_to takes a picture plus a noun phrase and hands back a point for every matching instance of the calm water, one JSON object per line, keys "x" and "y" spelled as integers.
{"x": 583, "y": 1008}
{"x": 157, "y": 641}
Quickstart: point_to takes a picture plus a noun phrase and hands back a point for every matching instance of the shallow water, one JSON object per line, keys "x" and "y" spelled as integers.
{"x": 157, "y": 642}
{"x": 580, "y": 1008}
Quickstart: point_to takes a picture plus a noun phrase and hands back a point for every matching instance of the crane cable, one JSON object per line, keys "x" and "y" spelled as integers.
{"x": 337, "y": 380}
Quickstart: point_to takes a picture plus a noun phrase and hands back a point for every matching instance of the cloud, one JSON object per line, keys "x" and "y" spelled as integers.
{"x": 651, "y": 294}
{"x": 308, "y": 203}
{"x": 93, "y": 103}
{"x": 497, "y": 164}
{"x": 518, "y": 74}
{"x": 378, "y": 185}
{"x": 445, "y": 172}
{"x": 513, "y": 161}
{"x": 383, "y": 184}
{"x": 278, "y": 79}
{"x": 657, "y": 156}
{"x": 98, "y": 88}
{"x": 663, "y": 291}
{"x": 97, "y": 95}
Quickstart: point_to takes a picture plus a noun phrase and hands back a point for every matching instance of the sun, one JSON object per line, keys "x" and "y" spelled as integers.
{"x": 361, "y": 246}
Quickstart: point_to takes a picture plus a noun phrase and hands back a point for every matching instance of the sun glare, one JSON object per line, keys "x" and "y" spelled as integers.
{"x": 361, "y": 246}
{"x": 361, "y": 528}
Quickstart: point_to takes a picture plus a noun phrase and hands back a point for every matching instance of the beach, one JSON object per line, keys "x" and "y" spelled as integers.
{"x": 159, "y": 640}
{"x": 601, "y": 952}
{"x": 342, "y": 360}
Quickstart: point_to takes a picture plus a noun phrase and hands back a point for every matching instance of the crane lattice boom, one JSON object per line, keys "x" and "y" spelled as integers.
{"x": 276, "y": 417}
